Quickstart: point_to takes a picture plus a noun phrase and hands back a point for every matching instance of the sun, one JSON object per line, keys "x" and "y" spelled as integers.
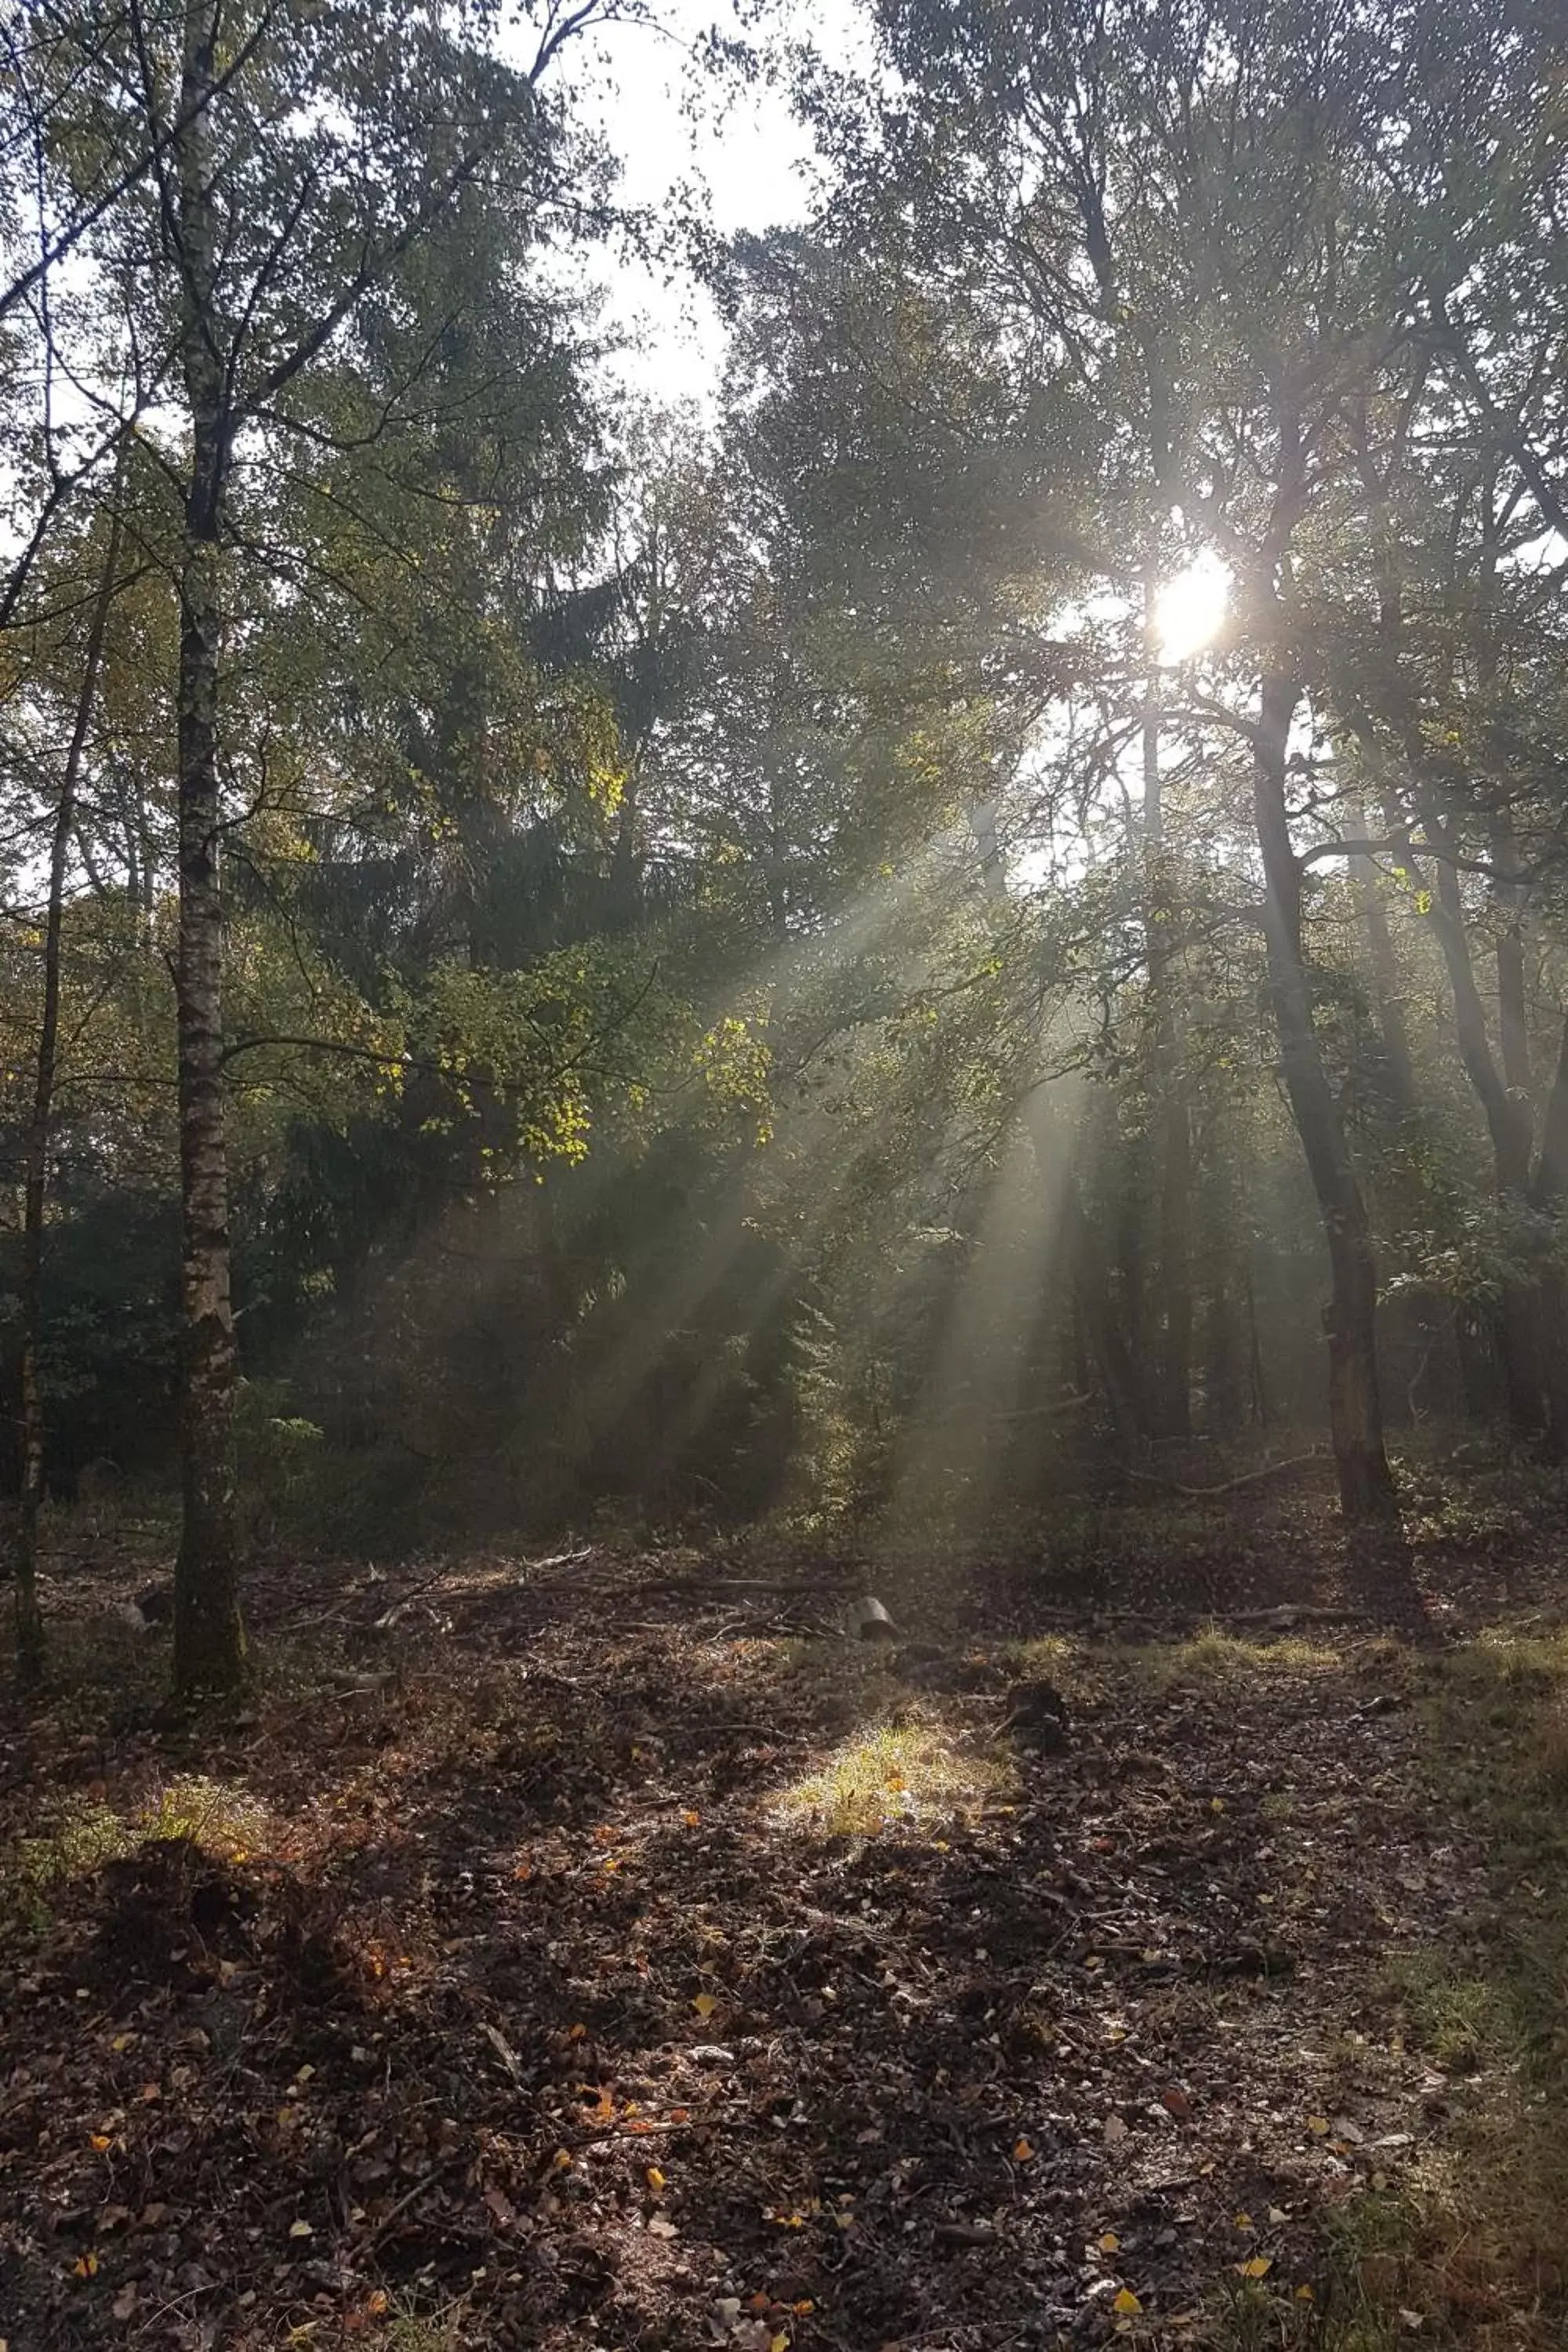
{"x": 1190, "y": 609}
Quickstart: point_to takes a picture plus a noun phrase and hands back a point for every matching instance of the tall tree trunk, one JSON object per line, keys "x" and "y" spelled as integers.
{"x": 1404, "y": 1099}
{"x": 1355, "y": 1409}
{"x": 29, "y": 1618}
{"x": 1508, "y": 1117}
{"x": 1174, "y": 1271}
{"x": 1509, "y": 897}
{"x": 209, "y": 1640}
{"x": 1096, "y": 1318}
{"x": 1549, "y": 1197}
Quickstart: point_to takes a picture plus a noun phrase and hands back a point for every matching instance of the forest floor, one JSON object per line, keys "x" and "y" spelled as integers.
{"x": 576, "y": 1952}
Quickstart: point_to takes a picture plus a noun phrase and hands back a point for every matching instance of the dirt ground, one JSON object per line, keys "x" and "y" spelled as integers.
{"x": 588, "y": 1951}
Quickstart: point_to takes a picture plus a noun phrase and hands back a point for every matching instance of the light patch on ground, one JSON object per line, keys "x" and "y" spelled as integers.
{"x": 1217, "y": 1658}
{"x": 911, "y": 1775}
{"x": 80, "y": 1835}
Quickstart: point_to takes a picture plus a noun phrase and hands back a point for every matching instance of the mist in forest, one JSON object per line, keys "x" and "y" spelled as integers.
{"x": 977, "y": 913}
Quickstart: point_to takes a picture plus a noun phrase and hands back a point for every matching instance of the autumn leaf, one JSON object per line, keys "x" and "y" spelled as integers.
{"x": 85, "y": 2266}
{"x": 1023, "y": 2153}
{"x": 1127, "y": 2302}
{"x": 576, "y": 2034}
{"x": 655, "y": 2179}
{"x": 1111, "y": 2243}
{"x": 300, "y": 2229}
{"x": 1258, "y": 2267}
{"x": 101, "y": 2140}
{"x": 1318, "y": 2125}
{"x": 693, "y": 1821}
{"x": 704, "y": 2004}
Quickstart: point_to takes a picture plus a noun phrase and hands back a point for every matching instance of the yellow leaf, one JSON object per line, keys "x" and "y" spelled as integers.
{"x": 800, "y": 2310}
{"x": 1111, "y": 2243}
{"x": 576, "y": 2033}
{"x": 693, "y": 1821}
{"x": 101, "y": 2140}
{"x": 300, "y": 2229}
{"x": 1217, "y": 1804}
{"x": 561, "y": 2161}
{"x": 1243, "y": 2220}
{"x": 1304, "y": 2294}
{"x": 1318, "y": 2125}
{"x": 778, "y": 2344}
{"x": 704, "y": 2004}
{"x": 1022, "y": 2151}
{"x": 85, "y": 2266}
{"x": 655, "y": 2179}
{"x": 1126, "y": 2302}
{"x": 1258, "y": 2267}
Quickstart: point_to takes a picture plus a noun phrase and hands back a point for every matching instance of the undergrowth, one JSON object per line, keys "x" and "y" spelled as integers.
{"x": 911, "y": 1775}
{"x": 78, "y": 1834}
{"x": 1477, "y": 2255}
{"x": 1214, "y": 1659}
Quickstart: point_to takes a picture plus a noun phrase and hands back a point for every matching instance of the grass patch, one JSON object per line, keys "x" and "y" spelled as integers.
{"x": 77, "y": 1835}
{"x": 408, "y": 2329}
{"x": 1462, "y": 2021}
{"x": 1216, "y": 1660}
{"x": 1479, "y": 2254}
{"x": 1058, "y": 1658}
{"x": 910, "y": 1775}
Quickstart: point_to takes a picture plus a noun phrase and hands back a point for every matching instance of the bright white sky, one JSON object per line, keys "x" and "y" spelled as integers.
{"x": 671, "y": 123}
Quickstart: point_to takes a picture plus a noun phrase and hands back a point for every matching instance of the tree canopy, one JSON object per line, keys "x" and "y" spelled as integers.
{"x": 995, "y": 905}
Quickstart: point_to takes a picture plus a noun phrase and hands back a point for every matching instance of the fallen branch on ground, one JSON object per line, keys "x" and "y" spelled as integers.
{"x": 1225, "y": 1485}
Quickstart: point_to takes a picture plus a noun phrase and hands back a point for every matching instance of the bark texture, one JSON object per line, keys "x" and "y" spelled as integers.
{"x": 1355, "y": 1408}
{"x": 29, "y": 1618}
{"x": 209, "y": 1640}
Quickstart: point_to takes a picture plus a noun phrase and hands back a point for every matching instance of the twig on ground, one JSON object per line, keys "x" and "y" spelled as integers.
{"x": 1225, "y": 1485}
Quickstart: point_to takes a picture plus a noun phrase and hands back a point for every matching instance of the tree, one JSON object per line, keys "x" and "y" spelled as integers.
{"x": 285, "y": 194}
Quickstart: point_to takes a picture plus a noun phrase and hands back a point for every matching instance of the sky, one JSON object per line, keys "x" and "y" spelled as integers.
{"x": 669, "y": 122}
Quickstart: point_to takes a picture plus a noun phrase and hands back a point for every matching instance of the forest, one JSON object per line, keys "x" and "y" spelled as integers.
{"x": 784, "y": 1284}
